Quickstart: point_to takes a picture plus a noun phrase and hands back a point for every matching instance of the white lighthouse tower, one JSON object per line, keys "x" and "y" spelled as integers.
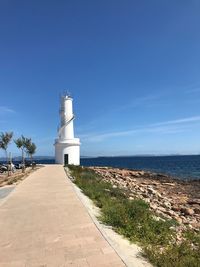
{"x": 67, "y": 148}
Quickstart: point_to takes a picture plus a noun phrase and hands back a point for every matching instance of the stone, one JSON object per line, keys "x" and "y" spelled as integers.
{"x": 153, "y": 206}
{"x": 175, "y": 208}
{"x": 167, "y": 204}
{"x": 193, "y": 201}
{"x": 142, "y": 189}
{"x": 187, "y": 211}
{"x": 170, "y": 184}
{"x": 196, "y": 225}
{"x": 151, "y": 190}
{"x": 178, "y": 219}
{"x": 161, "y": 209}
{"x": 170, "y": 212}
{"x": 145, "y": 195}
{"x": 159, "y": 195}
{"x": 197, "y": 210}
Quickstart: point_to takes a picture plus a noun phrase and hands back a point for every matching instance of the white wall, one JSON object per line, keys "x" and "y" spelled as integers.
{"x": 72, "y": 150}
{"x": 66, "y": 143}
{"x": 66, "y": 114}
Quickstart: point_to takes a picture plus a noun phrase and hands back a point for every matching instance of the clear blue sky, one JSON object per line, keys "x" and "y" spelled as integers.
{"x": 133, "y": 68}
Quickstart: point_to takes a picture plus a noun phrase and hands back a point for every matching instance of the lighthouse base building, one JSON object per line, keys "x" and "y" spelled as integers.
{"x": 67, "y": 148}
{"x": 67, "y": 152}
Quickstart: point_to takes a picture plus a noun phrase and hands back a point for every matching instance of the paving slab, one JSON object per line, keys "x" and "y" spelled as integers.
{"x": 43, "y": 223}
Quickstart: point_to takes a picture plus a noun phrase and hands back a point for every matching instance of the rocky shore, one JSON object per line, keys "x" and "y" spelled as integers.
{"x": 168, "y": 198}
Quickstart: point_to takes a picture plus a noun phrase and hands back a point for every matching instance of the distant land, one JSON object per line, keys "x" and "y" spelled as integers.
{"x": 18, "y": 158}
{"x": 141, "y": 155}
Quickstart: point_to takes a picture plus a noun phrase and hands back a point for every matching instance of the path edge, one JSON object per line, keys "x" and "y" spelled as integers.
{"x": 129, "y": 260}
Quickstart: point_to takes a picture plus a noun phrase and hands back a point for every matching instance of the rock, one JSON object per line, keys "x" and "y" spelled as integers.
{"x": 178, "y": 219}
{"x": 151, "y": 190}
{"x": 133, "y": 180}
{"x": 125, "y": 173}
{"x": 179, "y": 238}
{"x": 147, "y": 200}
{"x": 193, "y": 201}
{"x": 159, "y": 195}
{"x": 163, "y": 214}
{"x": 141, "y": 189}
{"x": 170, "y": 212}
{"x": 187, "y": 211}
{"x": 197, "y": 210}
{"x": 145, "y": 195}
{"x": 155, "y": 183}
{"x": 161, "y": 209}
{"x": 190, "y": 226}
{"x": 183, "y": 199}
{"x": 166, "y": 204}
{"x": 153, "y": 206}
{"x": 195, "y": 225}
{"x": 141, "y": 173}
{"x": 175, "y": 208}
{"x": 170, "y": 184}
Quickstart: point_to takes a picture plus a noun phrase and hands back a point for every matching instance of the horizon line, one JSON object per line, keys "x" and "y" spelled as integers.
{"x": 115, "y": 156}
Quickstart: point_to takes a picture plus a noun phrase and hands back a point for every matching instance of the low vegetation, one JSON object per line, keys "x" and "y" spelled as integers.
{"x": 133, "y": 219}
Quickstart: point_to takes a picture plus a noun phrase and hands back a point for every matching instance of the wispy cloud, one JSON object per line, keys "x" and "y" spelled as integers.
{"x": 165, "y": 127}
{"x": 140, "y": 101}
{"x": 179, "y": 121}
{"x": 6, "y": 110}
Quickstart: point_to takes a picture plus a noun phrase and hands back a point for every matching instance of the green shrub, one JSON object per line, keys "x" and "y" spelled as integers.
{"x": 174, "y": 256}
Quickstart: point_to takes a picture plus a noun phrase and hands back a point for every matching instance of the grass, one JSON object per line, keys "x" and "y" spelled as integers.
{"x": 134, "y": 220}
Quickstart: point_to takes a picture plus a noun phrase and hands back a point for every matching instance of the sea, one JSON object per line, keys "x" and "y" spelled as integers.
{"x": 181, "y": 167}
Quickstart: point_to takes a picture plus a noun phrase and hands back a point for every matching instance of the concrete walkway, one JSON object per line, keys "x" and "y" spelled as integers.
{"x": 43, "y": 223}
{"x": 6, "y": 190}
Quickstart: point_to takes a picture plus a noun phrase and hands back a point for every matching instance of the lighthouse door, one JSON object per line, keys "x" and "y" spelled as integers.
{"x": 66, "y": 159}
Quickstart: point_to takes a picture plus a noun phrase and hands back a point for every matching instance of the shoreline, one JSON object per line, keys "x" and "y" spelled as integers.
{"x": 168, "y": 197}
{"x": 180, "y": 167}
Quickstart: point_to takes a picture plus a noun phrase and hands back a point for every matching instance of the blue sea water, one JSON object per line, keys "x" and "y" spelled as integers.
{"x": 183, "y": 167}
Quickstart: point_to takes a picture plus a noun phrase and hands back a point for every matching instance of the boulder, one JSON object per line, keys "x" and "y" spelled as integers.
{"x": 193, "y": 201}
{"x": 197, "y": 210}
{"x": 187, "y": 211}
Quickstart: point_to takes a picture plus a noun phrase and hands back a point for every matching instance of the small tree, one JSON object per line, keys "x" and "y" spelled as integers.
{"x": 5, "y": 139}
{"x": 22, "y": 143}
{"x": 31, "y": 149}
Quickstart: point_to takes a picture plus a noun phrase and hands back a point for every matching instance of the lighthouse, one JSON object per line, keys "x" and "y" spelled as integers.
{"x": 67, "y": 148}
